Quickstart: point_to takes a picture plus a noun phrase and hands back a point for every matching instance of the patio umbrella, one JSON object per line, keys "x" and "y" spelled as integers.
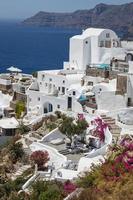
{"x": 14, "y": 69}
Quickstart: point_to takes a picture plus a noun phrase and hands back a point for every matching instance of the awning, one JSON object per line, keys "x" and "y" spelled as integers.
{"x": 9, "y": 123}
{"x": 14, "y": 69}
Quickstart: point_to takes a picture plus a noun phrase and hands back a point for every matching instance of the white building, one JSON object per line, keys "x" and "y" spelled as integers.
{"x": 130, "y": 85}
{"x": 53, "y": 91}
{"x": 62, "y": 89}
{"x": 94, "y": 47}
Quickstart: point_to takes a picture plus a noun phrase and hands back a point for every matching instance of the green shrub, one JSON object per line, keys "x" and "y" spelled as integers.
{"x": 20, "y": 108}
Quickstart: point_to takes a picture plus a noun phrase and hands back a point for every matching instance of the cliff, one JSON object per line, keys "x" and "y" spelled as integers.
{"x": 116, "y": 17}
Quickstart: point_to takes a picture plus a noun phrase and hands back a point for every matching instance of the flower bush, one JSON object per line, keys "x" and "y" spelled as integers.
{"x": 40, "y": 158}
{"x": 69, "y": 187}
{"x": 100, "y": 128}
{"x": 112, "y": 180}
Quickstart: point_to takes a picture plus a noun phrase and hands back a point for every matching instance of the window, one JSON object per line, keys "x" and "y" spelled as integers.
{"x": 74, "y": 93}
{"x": 59, "y": 88}
{"x": 40, "y": 83}
{"x": 86, "y": 42}
{"x": 107, "y": 35}
{"x": 101, "y": 43}
{"x": 30, "y": 99}
{"x": 58, "y": 106}
{"x": 63, "y": 90}
{"x": 43, "y": 76}
{"x": 108, "y": 43}
{"x": 69, "y": 103}
{"x": 90, "y": 83}
{"x": 46, "y": 84}
{"x": 38, "y": 98}
{"x": 63, "y": 81}
{"x": 50, "y": 79}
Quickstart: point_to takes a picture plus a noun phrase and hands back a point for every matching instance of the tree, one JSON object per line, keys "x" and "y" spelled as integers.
{"x": 34, "y": 74}
{"x": 81, "y": 126}
{"x": 67, "y": 127}
{"x": 16, "y": 151}
{"x": 20, "y": 108}
{"x": 70, "y": 128}
{"x": 43, "y": 190}
{"x": 22, "y": 129}
{"x": 40, "y": 158}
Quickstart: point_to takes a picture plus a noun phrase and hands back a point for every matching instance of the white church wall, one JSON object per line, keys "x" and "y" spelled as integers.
{"x": 86, "y": 52}
{"x": 94, "y": 50}
{"x": 76, "y": 53}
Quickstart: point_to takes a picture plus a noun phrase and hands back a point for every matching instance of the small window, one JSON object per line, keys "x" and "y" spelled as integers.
{"x": 108, "y": 44}
{"x": 63, "y": 90}
{"x": 46, "y": 84}
{"x": 72, "y": 68}
{"x": 74, "y": 93}
{"x": 38, "y": 98}
{"x": 86, "y": 42}
{"x": 107, "y": 35}
{"x": 58, "y": 106}
{"x": 50, "y": 79}
{"x": 59, "y": 88}
{"x": 40, "y": 83}
{"x": 90, "y": 83}
{"x": 63, "y": 81}
{"x": 101, "y": 44}
{"x": 43, "y": 76}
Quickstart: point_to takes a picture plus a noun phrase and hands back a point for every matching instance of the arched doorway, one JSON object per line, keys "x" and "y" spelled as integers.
{"x": 129, "y": 57}
{"x": 48, "y": 107}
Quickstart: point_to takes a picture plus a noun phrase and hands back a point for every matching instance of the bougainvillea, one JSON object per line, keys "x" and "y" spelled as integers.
{"x": 100, "y": 128}
{"x": 40, "y": 158}
{"x": 120, "y": 160}
{"x": 69, "y": 187}
{"x": 113, "y": 179}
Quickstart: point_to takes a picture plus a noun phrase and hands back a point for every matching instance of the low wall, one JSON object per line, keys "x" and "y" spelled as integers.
{"x": 30, "y": 181}
{"x": 55, "y": 157}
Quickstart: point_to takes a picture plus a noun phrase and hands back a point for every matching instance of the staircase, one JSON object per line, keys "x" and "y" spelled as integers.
{"x": 64, "y": 152}
{"x": 113, "y": 127}
{"x": 20, "y": 171}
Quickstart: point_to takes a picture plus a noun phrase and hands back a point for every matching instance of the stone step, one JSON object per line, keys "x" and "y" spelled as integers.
{"x": 64, "y": 152}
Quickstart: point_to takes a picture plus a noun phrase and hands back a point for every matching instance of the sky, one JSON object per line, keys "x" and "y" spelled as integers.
{"x": 21, "y": 9}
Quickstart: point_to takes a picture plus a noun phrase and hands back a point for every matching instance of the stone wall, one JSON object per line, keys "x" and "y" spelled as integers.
{"x": 20, "y": 97}
{"x": 5, "y": 88}
{"x": 95, "y": 72}
{"x": 121, "y": 86}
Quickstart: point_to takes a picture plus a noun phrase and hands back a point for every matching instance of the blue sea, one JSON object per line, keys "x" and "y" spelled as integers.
{"x": 33, "y": 48}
